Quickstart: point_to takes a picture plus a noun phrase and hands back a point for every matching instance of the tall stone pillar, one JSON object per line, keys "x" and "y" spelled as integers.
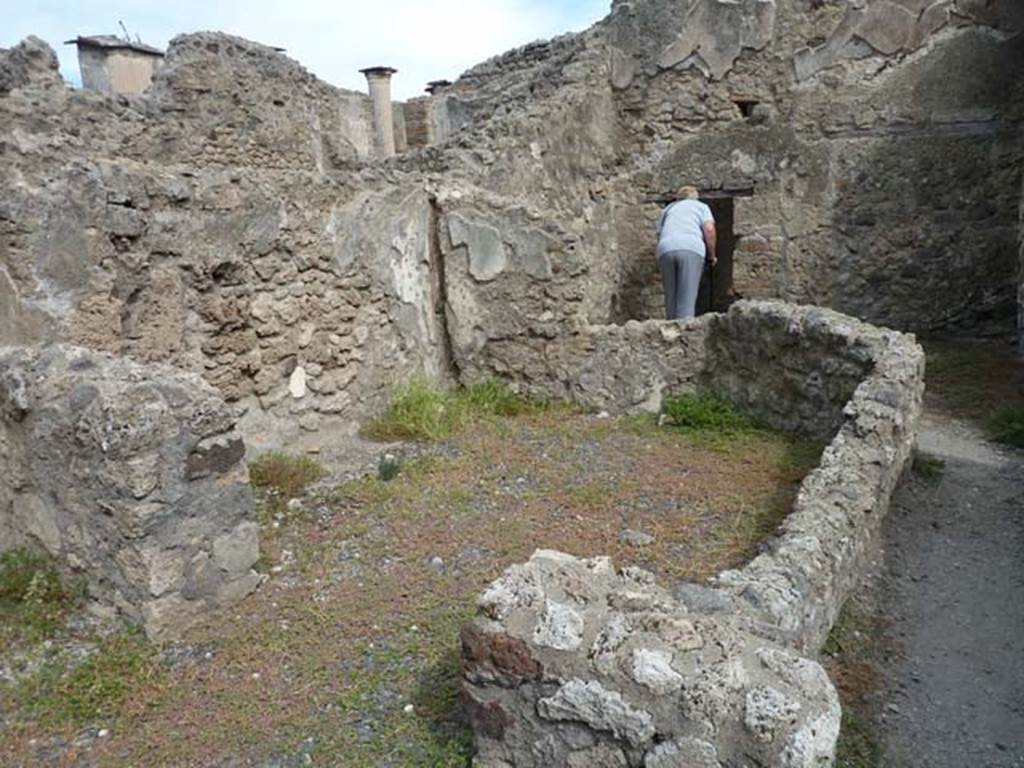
{"x": 379, "y": 81}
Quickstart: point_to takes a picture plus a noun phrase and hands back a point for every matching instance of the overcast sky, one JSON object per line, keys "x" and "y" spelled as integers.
{"x": 424, "y": 39}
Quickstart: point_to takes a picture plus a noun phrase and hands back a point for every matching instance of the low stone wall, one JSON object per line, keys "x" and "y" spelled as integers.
{"x": 799, "y": 586}
{"x": 574, "y": 663}
{"x": 793, "y": 368}
{"x": 131, "y": 477}
{"x": 615, "y": 368}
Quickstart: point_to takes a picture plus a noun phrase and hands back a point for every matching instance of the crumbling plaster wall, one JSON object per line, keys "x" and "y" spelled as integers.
{"x": 131, "y": 476}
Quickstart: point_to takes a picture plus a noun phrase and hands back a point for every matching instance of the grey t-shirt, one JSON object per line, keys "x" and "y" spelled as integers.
{"x": 680, "y": 227}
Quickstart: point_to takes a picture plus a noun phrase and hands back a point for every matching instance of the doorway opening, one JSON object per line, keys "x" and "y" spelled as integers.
{"x": 716, "y": 291}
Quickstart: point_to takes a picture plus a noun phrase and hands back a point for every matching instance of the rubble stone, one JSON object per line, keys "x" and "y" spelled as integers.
{"x": 98, "y": 459}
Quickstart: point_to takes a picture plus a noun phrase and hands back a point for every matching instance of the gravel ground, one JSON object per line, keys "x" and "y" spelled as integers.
{"x": 952, "y": 594}
{"x": 348, "y": 653}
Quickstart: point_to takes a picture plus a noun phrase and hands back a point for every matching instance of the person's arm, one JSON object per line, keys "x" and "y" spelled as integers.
{"x": 711, "y": 241}
{"x": 661, "y": 218}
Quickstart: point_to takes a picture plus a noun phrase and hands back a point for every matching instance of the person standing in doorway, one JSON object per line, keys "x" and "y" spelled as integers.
{"x": 686, "y": 238}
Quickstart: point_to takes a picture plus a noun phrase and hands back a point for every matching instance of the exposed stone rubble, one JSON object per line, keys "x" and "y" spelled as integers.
{"x": 572, "y": 662}
{"x": 646, "y": 682}
{"x": 31, "y": 62}
{"x": 132, "y": 477}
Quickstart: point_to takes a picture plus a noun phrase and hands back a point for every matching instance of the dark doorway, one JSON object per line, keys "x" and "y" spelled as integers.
{"x": 716, "y": 293}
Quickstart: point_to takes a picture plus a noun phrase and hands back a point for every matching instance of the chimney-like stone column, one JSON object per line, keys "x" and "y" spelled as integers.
{"x": 379, "y": 81}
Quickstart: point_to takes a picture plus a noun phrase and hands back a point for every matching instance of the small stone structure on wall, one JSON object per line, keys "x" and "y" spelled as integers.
{"x": 573, "y": 662}
{"x": 114, "y": 66}
{"x": 132, "y": 476}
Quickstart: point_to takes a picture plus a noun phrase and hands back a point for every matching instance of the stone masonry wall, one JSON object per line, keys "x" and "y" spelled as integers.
{"x": 132, "y": 477}
{"x": 215, "y": 223}
{"x": 817, "y": 358}
{"x": 793, "y": 370}
{"x": 880, "y": 141}
{"x": 231, "y": 221}
{"x": 575, "y": 663}
{"x": 875, "y": 148}
{"x": 799, "y": 586}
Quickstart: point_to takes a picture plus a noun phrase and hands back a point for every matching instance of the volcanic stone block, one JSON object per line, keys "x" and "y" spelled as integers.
{"x": 129, "y": 475}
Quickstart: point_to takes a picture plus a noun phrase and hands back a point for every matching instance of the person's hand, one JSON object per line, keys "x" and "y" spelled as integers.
{"x": 712, "y": 261}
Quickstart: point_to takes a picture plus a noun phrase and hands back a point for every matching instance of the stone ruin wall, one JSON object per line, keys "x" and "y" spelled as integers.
{"x": 882, "y": 146}
{"x": 231, "y": 221}
{"x": 849, "y": 107}
{"x": 248, "y": 266}
{"x": 211, "y": 224}
{"x": 575, "y": 663}
{"x": 132, "y": 476}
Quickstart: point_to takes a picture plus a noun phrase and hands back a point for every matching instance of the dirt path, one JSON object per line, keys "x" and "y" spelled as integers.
{"x": 952, "y": 593}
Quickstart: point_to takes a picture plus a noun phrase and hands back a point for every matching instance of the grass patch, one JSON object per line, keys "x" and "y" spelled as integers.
{"x": 1006, "y": 425}
{"x": 858, "y": 745}
{"x": 965, "y": 377}
{"x": 91, "y": 691}
{"x": 927, "y": 466}
{"x": 350, "y": 652}
{"x": 278, "y": 478}
{"x": 423, "y": 411}
{"x": 33, "y": 597}
{"x": 850, "y": 646}
{"x": 288, "y": 476}
{"x": 707, "y": 413}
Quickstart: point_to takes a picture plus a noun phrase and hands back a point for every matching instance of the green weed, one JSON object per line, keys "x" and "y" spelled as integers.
{"x": 849, "y": 649}
{"x": 388, "y": 467}
{"x": 422, "y": 410}
{"x": 706, "y": 416}
{"x": 927, "y": 466}
{"x": 858, "y": 745}
{"x": 802, "y": 454}
{"x": 1006, "y": 425}
{"x": 33, "y": 596}
{"x": 706, "y": 413}
{"x": 288, "y": 476}
{"x": 91, "y": 691}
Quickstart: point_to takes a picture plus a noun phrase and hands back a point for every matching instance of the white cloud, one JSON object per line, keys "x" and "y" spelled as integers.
{"x": 423, "y": 40}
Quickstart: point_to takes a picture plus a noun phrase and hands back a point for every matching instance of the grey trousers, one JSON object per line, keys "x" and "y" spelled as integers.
{"x": 680, "y": 276}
